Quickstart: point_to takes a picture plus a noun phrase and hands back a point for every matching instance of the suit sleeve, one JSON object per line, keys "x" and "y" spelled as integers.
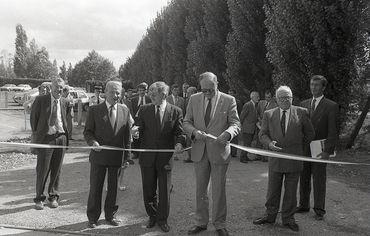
{"x": 308, "y": 129}
{"x": 233, "y": 120}
{"x": 140, "y": 123}
{"x": 333, "y": 128}
{"x": 179, "y": 131}
{"x": 35, "y": 114}
{"x": 243, "y": 114}
{"x": 264, "y": 134}
{"x": 188, "y": 124}
{"x": 89, "y": 131}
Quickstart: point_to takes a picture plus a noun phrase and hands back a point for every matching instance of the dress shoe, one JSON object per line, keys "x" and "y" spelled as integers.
{"x": 39, "y": 205}
{"x": 293, "y": 226}
{"x": 222, "y": 232}
{"x": 301, "y": 209}
{"x": 53, "y": 203}
{"x": 151, "y": 223}
{"x": 197, "y": 229}
{"x": 114, "y": 222}
{"x": 92, "y": 224}
{"x": 263, "y": 220}
{"x": 319, "y": 217}
{"x": 165, "y": 227}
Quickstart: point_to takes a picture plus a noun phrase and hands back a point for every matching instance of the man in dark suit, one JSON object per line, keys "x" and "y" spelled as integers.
{"x": 175, "y": 99}
{"x": 141, "y": 99}
{"x": 249, "y": 119}
{"x": 324, "y": 117}
{"x": 109, "y": 124}
{"x": 160, "y": 127}
{"x": 49, "y": 126}
{"x": 284, "y": 129}
{"x": 185, "y": 93}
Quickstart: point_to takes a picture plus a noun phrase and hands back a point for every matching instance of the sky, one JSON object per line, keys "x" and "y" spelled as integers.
{"x": 69, "y": 29}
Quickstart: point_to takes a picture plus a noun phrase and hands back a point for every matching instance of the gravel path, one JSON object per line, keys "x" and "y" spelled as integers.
{"x": 348, "y": 208}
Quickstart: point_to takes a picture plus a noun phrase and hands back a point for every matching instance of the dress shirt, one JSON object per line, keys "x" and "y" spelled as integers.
{"x": 287, "y": 116}
{"x": 318, "y": 99}
{"x": 58, "y": 127}
{"x": 162, "y": 108}
{"x": 214, "y": 101}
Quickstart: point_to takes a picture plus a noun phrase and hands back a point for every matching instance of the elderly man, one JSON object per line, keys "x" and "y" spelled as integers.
{"x": 160, "y": 127}
{"x": 49, "y": 126}
{"x": 249, "y": 119}
{"x": 211, "y": 112}
{"x": 324, "y": 117}
{"x": 107, "y": 123}
{"x": 284, "y": 129}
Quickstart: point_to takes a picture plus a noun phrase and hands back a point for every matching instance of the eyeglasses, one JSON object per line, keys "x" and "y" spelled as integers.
{"x": 207, "y": 90}
{"x": 284, "y": 98}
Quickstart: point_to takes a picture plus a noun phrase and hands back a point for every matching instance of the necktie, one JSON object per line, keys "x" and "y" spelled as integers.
{"x": 158, "y": 117}
{"x": 282, "y": 123}
{"x": 207, "y": 116}
{"x": 112, "y": 116}
{"x": 98, "y": 100}
{"x": 313, "y": 105}
{"x": 53, "y": 117}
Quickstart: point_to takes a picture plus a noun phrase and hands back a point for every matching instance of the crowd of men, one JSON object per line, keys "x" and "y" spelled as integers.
{"x": 164, "y": 117}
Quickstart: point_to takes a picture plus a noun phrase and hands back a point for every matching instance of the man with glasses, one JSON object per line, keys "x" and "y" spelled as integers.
{"x": 284, "y": 129}
{"x": 211, "y": 112}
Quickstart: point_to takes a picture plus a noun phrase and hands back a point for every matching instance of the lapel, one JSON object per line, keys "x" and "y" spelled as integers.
{"x": 120, "y": 118}
{"x": 166, "y": 115}
{"x": 217, "y": 110}
{"x": 293, "y": 117}
{"x": 318, "y": 109}
{"x": 276, "y": 123}
{"x": 203, "y": 124}
{"x": 48, "y": 107}
{"x": 63, "y": 112}
{"x": 105, "y": 113}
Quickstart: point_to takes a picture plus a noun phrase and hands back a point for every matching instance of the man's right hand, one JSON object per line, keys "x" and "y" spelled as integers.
{"x": 273, "y": 147}
{"x": 200, "y": 135}
{"x": 96, "y": 146}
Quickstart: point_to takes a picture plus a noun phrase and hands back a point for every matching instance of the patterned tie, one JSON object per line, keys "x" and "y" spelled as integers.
{"x": 53, "y": 117}
{"x": 313, "y": 105}
{"x": 207, "y": 116}
{"x": 282, "y": 123}
{"x": 112, "y": 116}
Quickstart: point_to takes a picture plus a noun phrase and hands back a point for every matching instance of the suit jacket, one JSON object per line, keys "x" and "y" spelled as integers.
{"x": 264, "y": 106}
{"x": 249, "y": 118}
{"x": 135, "y": 101}
{"x": 225, "y": 119}
{"x": 325, "y": 122}
{"x": 98, "y": 128}
{"x": 164, "y": 137}
{"x": 40, "y": 114}
{"x": 179, "y": 103}
{"x": 299, "y": 133}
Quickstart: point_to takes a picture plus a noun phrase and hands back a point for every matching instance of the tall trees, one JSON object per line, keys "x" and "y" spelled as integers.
{"x": 21, "y": 52}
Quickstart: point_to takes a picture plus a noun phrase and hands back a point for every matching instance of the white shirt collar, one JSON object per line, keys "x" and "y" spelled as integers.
{"x": 287, "y": 112}
{"x": 318, "y": 99}
{"x": 53, "y": 98}
{"x": 162, "y": 107}
{"x": 108, "y": 105}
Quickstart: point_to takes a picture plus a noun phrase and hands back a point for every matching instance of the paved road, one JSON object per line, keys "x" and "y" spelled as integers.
{"x": 348, "y": 208}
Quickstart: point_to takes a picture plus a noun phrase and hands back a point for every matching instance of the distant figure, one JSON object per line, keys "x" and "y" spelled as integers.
{"x": 324, "y": 115}
{"x": 49, "y": 126}
{"x": 285, "y": 129}
{"x": 141, "y": 99}
{"x": 211, "y": 112}
{"x": 175, "y": 99}
{"x": 185, "y": 93}
{"x": 67, "y": 97}
{"x": 96, "y": 98}
{"x": 160, "y": 127}
{"x": 249, "y": 119}
{"x": 108, "y": 124}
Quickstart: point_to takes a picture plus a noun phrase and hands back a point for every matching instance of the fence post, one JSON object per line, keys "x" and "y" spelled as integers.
{"x": 79, "y": 113}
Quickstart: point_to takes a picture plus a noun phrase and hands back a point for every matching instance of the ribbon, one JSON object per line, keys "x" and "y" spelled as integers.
{"x": 103, "y": 147}
{"x": 282, "y": 155}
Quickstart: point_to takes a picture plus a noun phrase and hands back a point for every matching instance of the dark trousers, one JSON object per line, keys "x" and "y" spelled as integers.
{"x": 49, "y": 161}
{"x": 156, "y": 206}
{"x": 247, "y": 141}
{"x": 97, "y": 176}
{"x": 275, "y": 181}
{"x": 318, "y": 172}
{"x": 69, "y": 126}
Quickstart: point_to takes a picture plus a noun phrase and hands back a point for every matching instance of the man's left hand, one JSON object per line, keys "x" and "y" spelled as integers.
{"x": 324, "y": 155}
{"x": 179, "y": 148}
{"x": 224, "y": 138}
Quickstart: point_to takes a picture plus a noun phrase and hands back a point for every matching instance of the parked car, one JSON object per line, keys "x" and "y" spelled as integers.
{"x": 79, "y": 95}
{"x": 7, "y": 87}
{"x": 22, "y": 88}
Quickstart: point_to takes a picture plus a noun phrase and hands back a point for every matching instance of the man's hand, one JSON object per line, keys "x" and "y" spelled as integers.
{"x": 96, "y": 146}
{"x": 135, "y": 132}
{"x": 273, "y": 147}
{"x": 324, "y": 155}
{"x": 178, "y": 148}
{"x": 200, "y": 135}
{"x": 224, "y": 138}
